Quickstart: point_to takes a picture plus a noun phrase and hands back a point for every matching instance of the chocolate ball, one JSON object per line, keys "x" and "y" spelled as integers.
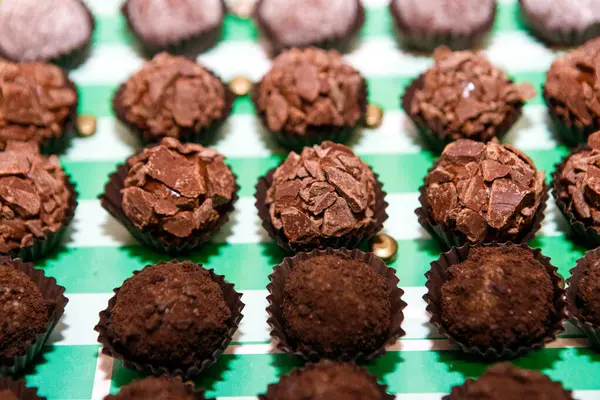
{"x": 326, "y": 192}
{"x": 499, "y": 297}
{"x": 163, "y": 388}
{"x": 336, "y": 306}
{"x": 175, "y": 97}
{"x": 484, "y": 192}
{"x": 23, "y": 312}
{"x": 34, "y": 196}
{"x": 171, "y": 314}
{"x": 177, "y": 191}
{"x": 327, "y": 380}
{"x": 505, "y": 381}
{"x": 583, "y": 293}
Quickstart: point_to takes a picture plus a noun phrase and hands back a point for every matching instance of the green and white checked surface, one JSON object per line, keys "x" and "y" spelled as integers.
{"x": 99, "y": 254}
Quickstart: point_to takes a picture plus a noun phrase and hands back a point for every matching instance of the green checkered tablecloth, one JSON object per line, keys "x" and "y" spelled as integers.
{"x": 99, "y": 254}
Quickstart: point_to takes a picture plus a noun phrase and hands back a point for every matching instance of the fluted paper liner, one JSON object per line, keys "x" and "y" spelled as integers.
{"x": 270, "y": 394}
{"x": 432, "y": 137}
{"x": 572, "y": 133}
{"x": 54, "y": 295}
{"x": 21, "y": 391}
{"x": 233, "y": 301}
{"x": 448, "y": 238}
{"x": 112, "y": 201}
{"x": 573, "y": 311}
{"x": 438, "y": 275}
{"x": 43, "y": 246}
{"x": 276, "y": 286}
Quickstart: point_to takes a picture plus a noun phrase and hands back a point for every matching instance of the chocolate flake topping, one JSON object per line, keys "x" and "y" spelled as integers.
{"x": 326, "y": 191}
{"x": 486, "y": 191}
{"x": 311, "y": 88}
{"x": 464, "y": 96}
{"x": 177, "y": 189}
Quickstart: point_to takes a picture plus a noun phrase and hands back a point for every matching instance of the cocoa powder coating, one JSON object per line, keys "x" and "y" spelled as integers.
{"x": 587, "y": 294}
{"x": 157, "y": 388}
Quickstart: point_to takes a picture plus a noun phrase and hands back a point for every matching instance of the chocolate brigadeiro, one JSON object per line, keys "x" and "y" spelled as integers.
{"x": 174, "y": 97}
{"x": 300, "y": 23}
{"x": 33, "y": 30}
{"x": 505, "y": 381}
{"x": 172, "y": 318}
{"x": 572, "y": 92}
{"x": 327, "y": 380}
{"x": 463, "y": 96}
{"x": 37, "y": 201}
{"x": 311, "y": 95}
{"x": 458, "y": 24}
{"x": 576, "y": 188}
{"x": 158, "y": 388}
{"x": 482, "y": 192}
{"x": 172, "y": 197}
{"x": 38, "y": 103}
{"x": 30, "y": 306}
{"x": 181, "y": 26}
{"x": 16, "y": 390}
{"x": 562, "y": 22}
{"x": 497, "y": 300}
{"x": 324, "y": 197}
{"x": 336, "y": 304}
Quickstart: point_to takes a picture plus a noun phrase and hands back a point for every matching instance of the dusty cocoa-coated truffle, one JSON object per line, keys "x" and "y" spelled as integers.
{"x": 311, "y": 89}
{"x": 505, "y": 381}
{"x": 464, "y": 96}
{"x": 172, "y": 96}
{"x": 8, "y": 395}
{"x": 326, "y": 380}
{"x": 335, "y": 305}
{"x": 484, "y": 191}
{"x": 586, "y": 296}
{"x": 325, "y": 192}
{"x": 177, "y": 190}
{"x": 162, "y": 388}
{"x": 23, "y": 312}
{"x": 171, "y": 313}
{"x": 38, "y": 101}
{"x": 34, "y": 198}
{"x": 499, "y": 297}
{"x": 33, "y": 30}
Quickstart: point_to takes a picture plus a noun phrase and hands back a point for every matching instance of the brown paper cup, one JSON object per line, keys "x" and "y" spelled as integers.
{"x": 43, "y": 246}
{"x": 585, "y": 233}
{"x": 54, "y": 296}
{"x": 438, "y": 275}
{"x": 276, "y": 286}
{"x": 573, "y": 309}
{"x": 21, "y": 391}
{"x": 270, "y": 394}
{"x": 233, "y": 301}
{"x": 112, "y": 200}
{"x": 431, "y": 134}
{"x": 571, "y": 132}
{"x": 349, "y": 241}
{"x": 205, "y": 136}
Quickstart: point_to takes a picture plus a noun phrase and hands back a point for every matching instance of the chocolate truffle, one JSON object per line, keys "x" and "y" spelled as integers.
{"x": 171, "y": 314}
{"x": 187, "y": 26}
{"x": 572, "y": 93}
{"x": 427, "y": 24}
{"x": 8, "y": 395}
{"x": 483, "y": 192}
{"x": 38, "y": 103}
{"x": 336, "y": 306}
{"x": 325, "y": 195}
{"x": 36, "y": 199}
{"x": 301, "y": 23}
{"x": 174, "y": 97}
{"x": 584, "y": 294}
{"x": 562, "y": 22}
{"x": 33, "y": 30}
{"x": 177, "y": 191}
{"x": 499, "y": 297}
{"x": 327, "y": 380}
{"x": 311, "y": 95}
{"x": 162, "y": 388}
{"x": 23, "y": 312}
{"x": 463, "y": 96}
{"x": 505, "y": 381}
